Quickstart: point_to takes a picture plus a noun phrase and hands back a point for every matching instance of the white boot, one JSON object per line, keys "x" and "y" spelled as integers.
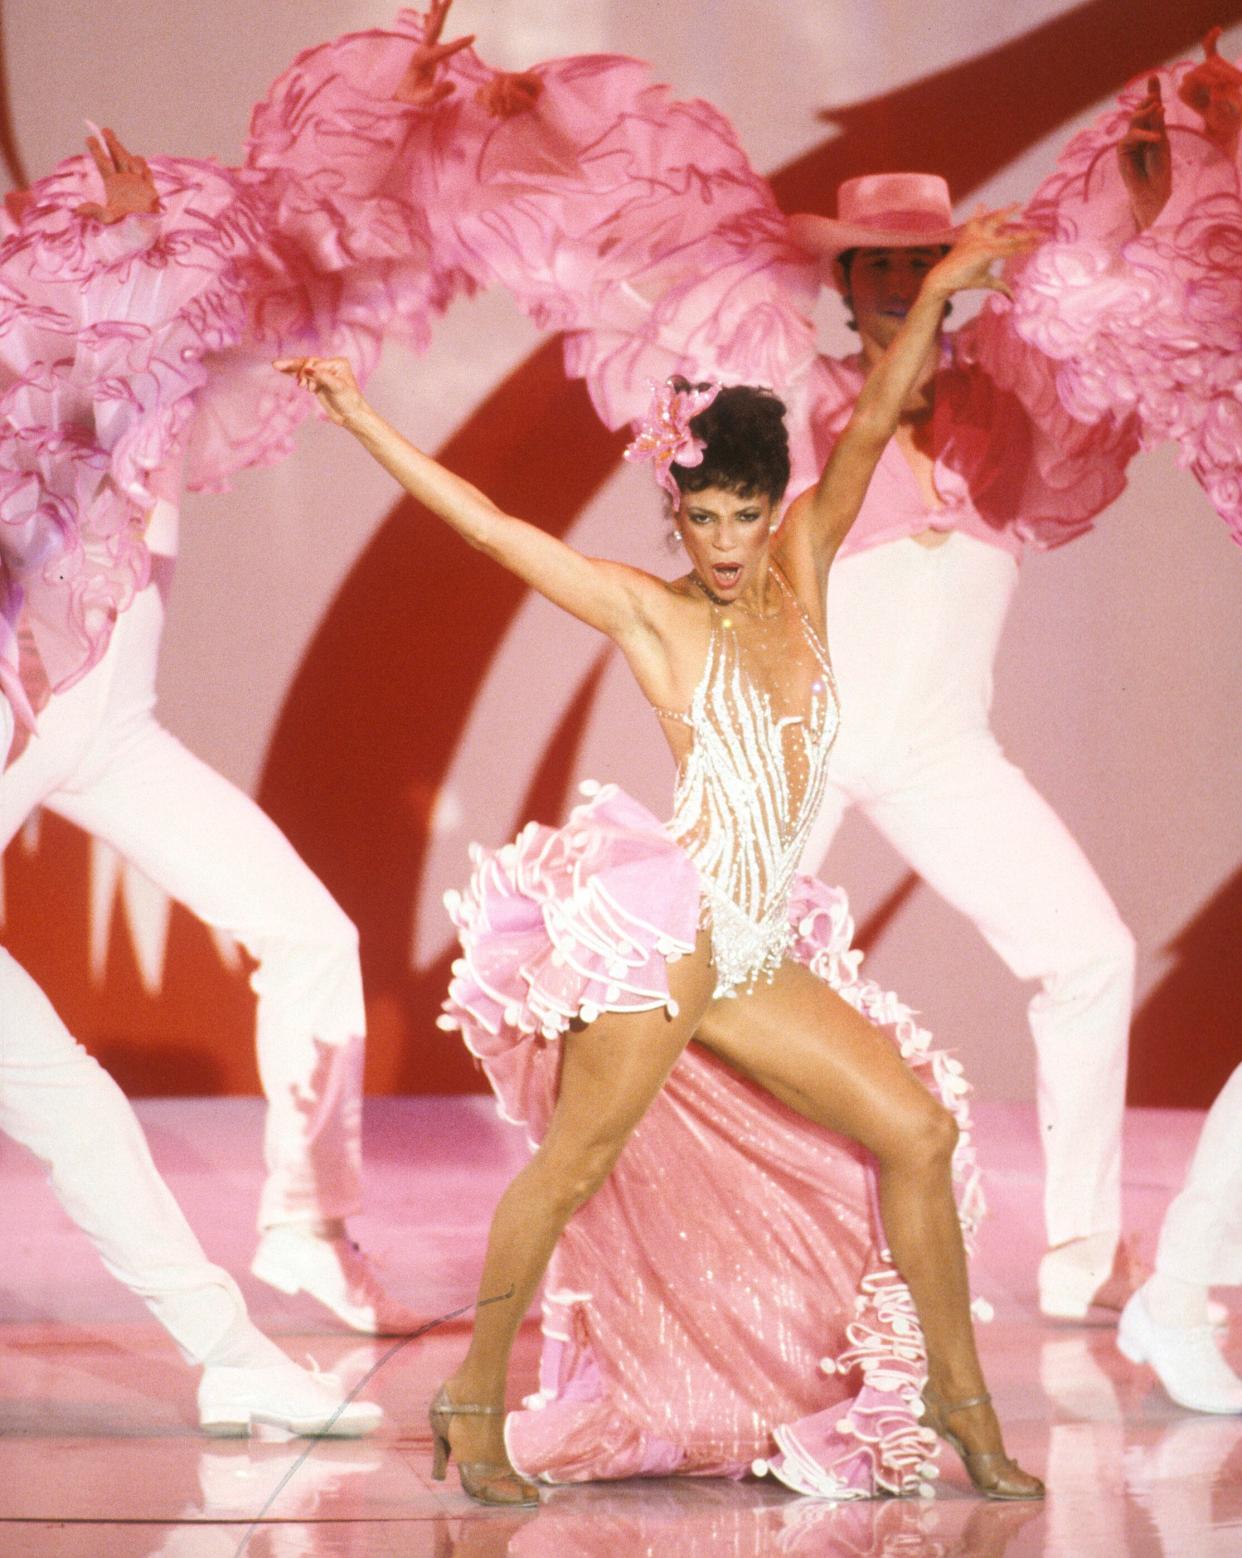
{"x": 248, "y": 1381}
{"x": 1185, "y": 1359}
{"x": 294, "y": 1258}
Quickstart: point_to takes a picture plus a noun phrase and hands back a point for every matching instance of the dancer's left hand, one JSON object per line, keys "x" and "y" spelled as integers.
{"x": 330, "y": 380}
{"x": 129, "y": 188}
{"x": 419, "y": 86}
{"x": 987, "y": 237}
{"x": 1214, "y": 90}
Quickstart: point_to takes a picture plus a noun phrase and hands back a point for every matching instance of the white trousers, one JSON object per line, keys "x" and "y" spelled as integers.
{"x": 56, "y": 1100}
{"x": 913, "y": 632}
{"x": 102, "y": 760}
{"x": 1201, "y": 1237}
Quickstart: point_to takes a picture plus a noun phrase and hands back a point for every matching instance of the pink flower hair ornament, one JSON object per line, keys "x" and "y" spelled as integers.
{"x": 664, "y": 437}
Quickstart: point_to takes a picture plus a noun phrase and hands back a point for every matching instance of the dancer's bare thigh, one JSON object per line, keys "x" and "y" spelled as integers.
{"x": 798, "y": 1039}
{"x": 614, "y": 1067}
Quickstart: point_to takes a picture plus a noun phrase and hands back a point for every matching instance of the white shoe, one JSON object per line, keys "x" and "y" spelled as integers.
{"x": 1186, "y": 1360}
{"x": 233, "y": 1400}
{"x": 336, "y": 1273}
{"x": 1071, "y": 1286}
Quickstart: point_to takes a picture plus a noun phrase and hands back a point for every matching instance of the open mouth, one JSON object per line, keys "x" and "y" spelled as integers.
{"x": 726, "y": 575}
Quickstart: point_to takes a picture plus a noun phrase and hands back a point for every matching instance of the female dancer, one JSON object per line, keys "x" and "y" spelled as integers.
{"x": 732, "y": 658}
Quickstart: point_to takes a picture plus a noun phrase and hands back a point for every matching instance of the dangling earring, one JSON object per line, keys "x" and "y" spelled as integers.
{"x": 677, "y": 535}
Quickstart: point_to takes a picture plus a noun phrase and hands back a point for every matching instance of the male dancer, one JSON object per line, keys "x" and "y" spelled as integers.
{"x": 918, "y": 603}
{"x": 1167, "y": 1322}
{"x": 102, "y": 760}
{"x": 60, "y": 1103}
{"x": 985, "y": 463}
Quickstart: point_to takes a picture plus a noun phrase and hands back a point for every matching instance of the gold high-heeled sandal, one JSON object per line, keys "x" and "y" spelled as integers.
{"x": 487, "y": 1482}
{"x": 991, "y": 1472}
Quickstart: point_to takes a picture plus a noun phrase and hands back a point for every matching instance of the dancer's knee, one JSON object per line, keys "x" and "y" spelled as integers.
{"x": 923, "y": 1141}
{"x": 936, "y": 1137}
{"x": 569, "y": 1178}
{"x": 583, "y": 1177}
{"x": 1113, "y": 949}
{"x": 331, "y": 931}
{"x": 296, "y": 914}
{"x": 37, "y": 1099}
{"x": 311, "y": 966}
{"x": 1102, "y": 965}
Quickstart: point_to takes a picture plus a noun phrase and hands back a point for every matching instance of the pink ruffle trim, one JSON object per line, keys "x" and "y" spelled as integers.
{"x": 563, "y": 924}
{"x": 633, "y": 223}
{"x": 351, "y": 178}
{"x": 1148, "y": 324}
{"x": 102, "y": 336}
{"x": 627, "y": 219}
{"x": 124, "y": 348}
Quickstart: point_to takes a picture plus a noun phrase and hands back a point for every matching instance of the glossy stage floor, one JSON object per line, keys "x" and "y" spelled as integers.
{"x": 99, "y": 1455}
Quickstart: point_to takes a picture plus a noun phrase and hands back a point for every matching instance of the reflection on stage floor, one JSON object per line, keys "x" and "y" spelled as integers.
{"x": 99, "y": 1454}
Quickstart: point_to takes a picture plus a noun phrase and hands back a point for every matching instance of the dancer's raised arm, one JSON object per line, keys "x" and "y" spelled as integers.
{"x": 616, "y": 599}
{"x": 822, "y": 517}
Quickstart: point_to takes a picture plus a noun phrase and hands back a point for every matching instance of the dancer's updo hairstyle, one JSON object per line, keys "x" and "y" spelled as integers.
{"x": 746, "y": 447}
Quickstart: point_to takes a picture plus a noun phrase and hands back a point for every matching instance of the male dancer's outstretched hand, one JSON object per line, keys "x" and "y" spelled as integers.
{"x": 1144, "y": 158}
{"x": 129, "y": 188}
{"x": 419, "y": 86}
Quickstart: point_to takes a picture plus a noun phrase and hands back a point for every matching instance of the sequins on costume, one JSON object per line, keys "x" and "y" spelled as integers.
{"x": 764, "y": 717}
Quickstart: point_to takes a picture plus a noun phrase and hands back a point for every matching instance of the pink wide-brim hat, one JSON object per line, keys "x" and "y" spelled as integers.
{"x": 879, "y": 211}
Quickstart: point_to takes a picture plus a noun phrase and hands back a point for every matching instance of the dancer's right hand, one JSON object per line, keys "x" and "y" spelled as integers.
{"x": 129, "y": 188}
{"x": 330, "y": 380}
{"x": 986, "y": 237}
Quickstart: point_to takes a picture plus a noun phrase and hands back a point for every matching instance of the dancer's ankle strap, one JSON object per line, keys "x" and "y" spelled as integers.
{"x": 972, "y": 1401}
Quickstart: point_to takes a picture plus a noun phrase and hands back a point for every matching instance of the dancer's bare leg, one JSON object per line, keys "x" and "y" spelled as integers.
{"x": 797, "y": 1038}
{"x": 610, "y": 1072}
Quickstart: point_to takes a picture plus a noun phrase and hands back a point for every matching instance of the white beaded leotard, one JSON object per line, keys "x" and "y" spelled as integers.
{"x": 764, "y": 716}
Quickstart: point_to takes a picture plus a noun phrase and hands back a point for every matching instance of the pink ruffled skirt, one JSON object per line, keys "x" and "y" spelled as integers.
{"x": 724, "y": 1303}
